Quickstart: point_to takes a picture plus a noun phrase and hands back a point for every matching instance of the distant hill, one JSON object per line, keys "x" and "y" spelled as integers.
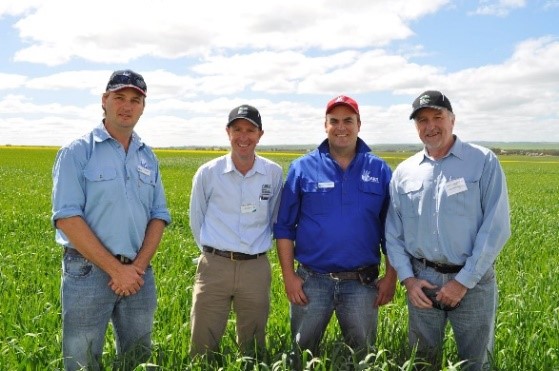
{"x": 547, "y": 148}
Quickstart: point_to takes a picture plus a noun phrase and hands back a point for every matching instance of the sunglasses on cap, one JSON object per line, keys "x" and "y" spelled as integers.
{"x": 127, "y": 79}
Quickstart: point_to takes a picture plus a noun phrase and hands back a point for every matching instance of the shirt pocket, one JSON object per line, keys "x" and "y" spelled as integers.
{"x": 371, "y": 197}
{"x": 146, "y": 187}
{"x": 409, "y": 195}
{"x": 101, "y": 183}
{"x": 316, "y": 198}
{"x": 465, "y": 203}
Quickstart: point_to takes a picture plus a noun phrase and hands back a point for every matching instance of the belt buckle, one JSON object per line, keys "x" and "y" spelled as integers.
{"x": 334, "y": 276}
{"x": 232, "y": 255}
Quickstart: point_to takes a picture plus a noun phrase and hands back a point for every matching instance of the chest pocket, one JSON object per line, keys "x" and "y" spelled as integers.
{"x": 100, "y": 182}
{"x": 316, "y": 197}
{"x": 409, "y": 195}
{"x": 465, "y": 203}
{"x": 371, "y": 197}
{"x": 146, "y": 187}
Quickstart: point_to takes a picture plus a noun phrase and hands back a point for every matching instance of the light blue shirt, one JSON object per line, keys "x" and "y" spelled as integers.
{"x": 235, "y": 212}
{"x": 452, "y": 211}
{"x": 115, "y": 192}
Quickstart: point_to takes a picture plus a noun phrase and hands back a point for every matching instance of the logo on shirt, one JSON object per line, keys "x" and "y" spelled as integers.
{"x": 266, "y": 192}
{"x": 366, "y": 177}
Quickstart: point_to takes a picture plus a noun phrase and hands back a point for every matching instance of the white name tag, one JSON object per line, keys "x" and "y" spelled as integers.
{"x": 326, "y": 185}
{"x": 456, "y": 186}
{"x": 144, "y": 171}
{"x": 248, "y": 208}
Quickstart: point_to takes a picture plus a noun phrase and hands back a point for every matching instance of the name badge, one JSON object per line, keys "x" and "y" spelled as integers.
{"x": 326, "y": 185}
{"x": 248, "y": 208}
{"x": 144, "y": 171}
{"x": 456, "y": 186}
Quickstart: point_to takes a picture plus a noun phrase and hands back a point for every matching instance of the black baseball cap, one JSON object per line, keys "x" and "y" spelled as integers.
{"x": 246, "y": 112}
{"x": 430, "y": 99}
{"x": 127, "y": 79}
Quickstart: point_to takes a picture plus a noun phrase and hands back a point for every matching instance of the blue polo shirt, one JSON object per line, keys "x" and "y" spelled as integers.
{"x": 335, "y": 217}
{"x": 117, "y": 193}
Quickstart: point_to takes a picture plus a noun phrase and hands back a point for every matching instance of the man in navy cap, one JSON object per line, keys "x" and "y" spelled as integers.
{"x": 233, "y": 205}
{"x": 448, "y": 220}
{"x": 109, "y": 211}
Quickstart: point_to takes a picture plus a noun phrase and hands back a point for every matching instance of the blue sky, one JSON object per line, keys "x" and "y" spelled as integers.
{"x": 495, "y": 60}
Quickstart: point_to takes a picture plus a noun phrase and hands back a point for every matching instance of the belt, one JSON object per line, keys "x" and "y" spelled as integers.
{"x": 351, "y": 275}
{"x": 441, "y": 268}
{"x": 233, "y": 255}
{"x": 123, "y": 259}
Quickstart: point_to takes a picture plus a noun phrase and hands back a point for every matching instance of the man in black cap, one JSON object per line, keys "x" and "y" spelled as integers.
{"x": 447, "y": 222}
{"x": 233, "y": 204}
{"x": 109, "y": 211}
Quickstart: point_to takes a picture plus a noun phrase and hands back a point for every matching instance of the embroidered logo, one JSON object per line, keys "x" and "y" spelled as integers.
{"x": 424, "y": 99}
{"x": 366, "y": 177}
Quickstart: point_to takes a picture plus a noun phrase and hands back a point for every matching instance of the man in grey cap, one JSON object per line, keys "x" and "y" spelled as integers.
{"x": 233, "y": 205}
{"x": 447, "y": 222}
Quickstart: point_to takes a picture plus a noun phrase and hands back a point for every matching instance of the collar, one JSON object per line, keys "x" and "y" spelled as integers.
{"x": 361, "y": 146}
{"x": 257, "y": 167}
{"x": 100, "y": 134}
{"x": 457, "y": 150}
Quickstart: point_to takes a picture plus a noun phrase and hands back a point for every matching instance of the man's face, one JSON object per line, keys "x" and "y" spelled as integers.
{"x": 435, "y": 127}
{"x": 123, "y": 109}
{"x": 342, "y": 127}
{"x": 244, "y": 137}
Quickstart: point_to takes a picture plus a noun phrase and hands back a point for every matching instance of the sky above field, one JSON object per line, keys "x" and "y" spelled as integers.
{"x": 497, "y": 61}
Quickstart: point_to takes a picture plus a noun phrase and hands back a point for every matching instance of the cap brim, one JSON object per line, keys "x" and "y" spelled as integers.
{"x": 120, "y": 87}
{"x": 425, "y": 106}
{"x": 245, "y": 118}
{"x": 341, "y": 104}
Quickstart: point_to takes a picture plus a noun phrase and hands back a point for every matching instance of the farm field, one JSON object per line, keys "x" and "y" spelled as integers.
{"x": 527, "y": 332}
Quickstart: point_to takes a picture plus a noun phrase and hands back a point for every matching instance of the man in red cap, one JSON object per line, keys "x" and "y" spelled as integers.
{"x": 331, "y": 220}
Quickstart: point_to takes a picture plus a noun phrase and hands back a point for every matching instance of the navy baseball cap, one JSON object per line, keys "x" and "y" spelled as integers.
{"x": 127, "y": 79}
{"x": 430, "y": 99}
{"x": 246, "y": 112}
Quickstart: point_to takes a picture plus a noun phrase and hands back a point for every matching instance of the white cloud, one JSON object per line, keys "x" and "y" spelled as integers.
{"x": 106, "y": 31}
{"x": 286, "y": 59}
{"x": 499, "y": 8}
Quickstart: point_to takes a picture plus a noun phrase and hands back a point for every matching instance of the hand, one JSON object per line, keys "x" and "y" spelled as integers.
{"x": 451, "y": 293}
{"x": 127, "y": 281}
{"x": 386, "y": 288}
{"x": 294, "y": 289}
{"x": 416, "y": 295}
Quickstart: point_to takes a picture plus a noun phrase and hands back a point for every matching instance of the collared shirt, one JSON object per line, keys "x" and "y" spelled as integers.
{"x": 335, "y": 217}
{"x": 235, "y": 212}
{"x": 452, "y": 211}
{"x": 116, "y": 192}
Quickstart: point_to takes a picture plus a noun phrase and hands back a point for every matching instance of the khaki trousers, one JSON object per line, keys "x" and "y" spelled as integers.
{"x": 221, "y": 283}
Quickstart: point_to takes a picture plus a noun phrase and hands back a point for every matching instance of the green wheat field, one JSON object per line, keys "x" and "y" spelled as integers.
{"x": 527, "y": 331}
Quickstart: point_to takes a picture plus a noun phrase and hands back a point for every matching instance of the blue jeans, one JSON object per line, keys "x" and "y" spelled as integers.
{"x": 473, "y": 322}
{"x": 352, "y": 302}
{"x": 88, "y": 304}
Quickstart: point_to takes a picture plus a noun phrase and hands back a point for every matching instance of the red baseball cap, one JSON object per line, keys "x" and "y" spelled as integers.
{"x": 342, "y": 99}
